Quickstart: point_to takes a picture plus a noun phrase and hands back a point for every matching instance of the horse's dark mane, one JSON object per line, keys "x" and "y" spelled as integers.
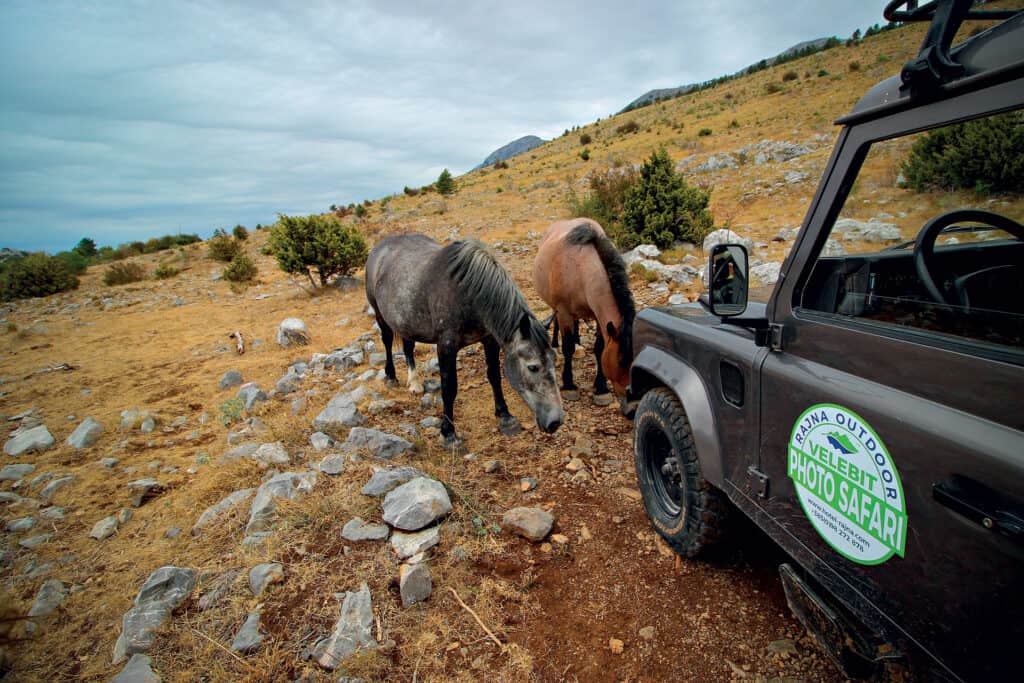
{"x": 490, "y": 289}
{"x": 585, "y": 233}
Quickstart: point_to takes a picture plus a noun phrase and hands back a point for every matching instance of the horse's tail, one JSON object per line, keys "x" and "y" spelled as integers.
{"x": 584, "y": 233}
{"x": 489, "y": 288}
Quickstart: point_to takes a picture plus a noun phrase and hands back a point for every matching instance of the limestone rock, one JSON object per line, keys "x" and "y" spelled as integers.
{"x": 30, "y": 440}
{"x": 16, "y": 526}
{"x": 380, "y": 444}
{"x": 85, "y": 434}
{"x": 292, "y": 332}
{"x": 137, "y": 670}
{"x": 357, "y": 530}
{"x": 725, "y": 236}
{"x": 287, "y": 486}
{"x": 104, "y": 528}
{"x": 219, "y": 589}
{"x": 332, "y": 464}
{"x": 414, "y": 583}
{"x": 51, "y": 489}
{"x": 320, "y": 441}
{"x": 340, "y": 413}
{"x": 530, "y": 523}
{"x": 221, "y": 509}
{"x": 142, "y": 490}
{"x": 270, "y": 454}
{"x": 231, "y": 378}
{"x": 352, "y": 632}
{"x": 50, "y": 596}
{"x": 344, "y": 359}
{"x": 16, "y": 472}
{"x": 416, "y": 503}
{"x": 163, "y": 591}
{"x": 249, "y": 636}
{"x": 251, "y": 394}
{"x": 262, "y": 575}
{"x": 383, "y": 480}
{"x": 407, "y": 545}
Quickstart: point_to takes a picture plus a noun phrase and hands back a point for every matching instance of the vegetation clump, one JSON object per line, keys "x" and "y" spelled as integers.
{"x": 123, "y": 273}
{"x": 662, "y": 207}
{"x": 165, "y": 271}
{"x": 317, "y": 244}
{"x": 241, "y": 269}
{"x": 240, "y": 233}
{"x": 221, "y": 247}
{"x": 36, "y": 275}
{"x": 986, "y": 155}
{"x": 445, "y": 184}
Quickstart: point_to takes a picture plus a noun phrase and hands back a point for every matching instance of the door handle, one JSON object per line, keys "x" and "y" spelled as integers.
{"x": 982, "y": 505}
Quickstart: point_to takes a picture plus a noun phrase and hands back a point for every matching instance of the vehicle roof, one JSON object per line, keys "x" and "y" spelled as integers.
{"x": 996, "y": 54}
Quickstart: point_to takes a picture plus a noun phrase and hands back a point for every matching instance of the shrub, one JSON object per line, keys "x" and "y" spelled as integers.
{"x": 222, "y": 248}
{"x": 321, "y": 244}
{"x": 605, "y": 198}
{"x": 734, "y": 124}
{"x": 240, "y": 233}
{"x": 662, "y": 208}
{"x": 445, "y": 183}
{"x": 74, "y": 260}
{"x": 500, "y": 165}
{"x": 37, "y": 275}
{"x": 585, "y": 155}
{"x": 790, "y": 76}
{"x": 123, "y": 273}
{"x": 165, "y": 271}
{"x": 585, "y": 139}
{"x": 772, "y": 87}
{"x": 86, "y": 247}
{"x": 986, "y": 155}
{"x": 854, "y": 65}
{"x": 241, "y": 269}
{"x": 411, "y": 191}
{"x": 360, "y": 211}
{"x": 822, "y": 73}
{"x": 703, "y": 132}
{"x": 628, "y": 127}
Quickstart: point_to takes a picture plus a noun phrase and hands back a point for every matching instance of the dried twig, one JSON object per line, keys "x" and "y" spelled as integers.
{"x": 482, "y": 624}
{"x": 59, "y": 367}
{"x": 239, "y": 342}
{"x": 240, "y": 660}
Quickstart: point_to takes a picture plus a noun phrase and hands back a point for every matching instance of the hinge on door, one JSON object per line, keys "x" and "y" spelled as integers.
{"x": 757, "y": 482}
{"x": 775, "y": 336}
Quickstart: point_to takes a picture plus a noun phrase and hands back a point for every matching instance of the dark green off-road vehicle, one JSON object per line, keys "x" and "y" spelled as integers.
{"x": 869, "y": 416}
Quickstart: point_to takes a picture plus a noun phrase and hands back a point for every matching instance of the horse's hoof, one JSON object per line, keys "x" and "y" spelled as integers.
{"x": 455, "y": 445}
{"x": 604, "y": 399}
{"x": 415, "y": 389}
{"x": 510, "y": 426}
{"x": 628, "y": 408}
{"x": 390, "y": 382}
{"x": 570, "y": 395}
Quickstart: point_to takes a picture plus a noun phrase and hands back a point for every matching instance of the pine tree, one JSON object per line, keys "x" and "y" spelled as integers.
{"x": 445, "y": 183}
{"x": 662, "y": 208}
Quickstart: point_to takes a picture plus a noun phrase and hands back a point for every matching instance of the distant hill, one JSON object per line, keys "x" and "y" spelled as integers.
{"x": 523, "y": 144}
{"x": 799, "y": 50}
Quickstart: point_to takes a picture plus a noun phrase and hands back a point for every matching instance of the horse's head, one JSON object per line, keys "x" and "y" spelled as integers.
{"x": 530, "y": 369}
{"x": 617, "y": 357}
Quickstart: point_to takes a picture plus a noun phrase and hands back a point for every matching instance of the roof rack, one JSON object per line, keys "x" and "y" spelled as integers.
{"x": 933, "y": 66}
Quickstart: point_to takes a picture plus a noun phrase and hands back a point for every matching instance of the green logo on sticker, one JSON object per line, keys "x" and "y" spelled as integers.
{"x": 847, "y": 484}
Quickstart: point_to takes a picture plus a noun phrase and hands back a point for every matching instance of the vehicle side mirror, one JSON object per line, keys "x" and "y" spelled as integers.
{"x": 727, "y": 280}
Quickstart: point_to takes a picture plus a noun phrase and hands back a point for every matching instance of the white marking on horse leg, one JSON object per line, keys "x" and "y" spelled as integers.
{"x": 415, "y": 385}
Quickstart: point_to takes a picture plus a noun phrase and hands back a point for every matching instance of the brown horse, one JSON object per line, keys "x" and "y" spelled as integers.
{"x": 581, "y": 276}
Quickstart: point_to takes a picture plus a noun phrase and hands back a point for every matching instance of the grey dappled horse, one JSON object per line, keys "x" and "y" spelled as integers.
{"x": 454, "y": 296}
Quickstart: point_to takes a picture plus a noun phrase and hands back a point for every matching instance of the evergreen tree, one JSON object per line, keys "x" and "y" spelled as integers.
{"x": 662, "y": 208}
{"x": 445, "y": 183}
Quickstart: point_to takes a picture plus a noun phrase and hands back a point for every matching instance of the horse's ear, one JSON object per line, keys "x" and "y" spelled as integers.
{"x": 612, "y": 332}
{"x": 524, "y": 326}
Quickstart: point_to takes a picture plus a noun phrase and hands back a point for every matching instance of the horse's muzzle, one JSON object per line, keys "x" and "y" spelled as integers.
{"x": 552, "y": 426}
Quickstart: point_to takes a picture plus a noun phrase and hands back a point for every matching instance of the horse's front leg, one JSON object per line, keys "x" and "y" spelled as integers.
{"x": 387, "y": 337}
{"x": 446, "y": 359}
{"x": 602, "y": 396}
{"x": 569, "y": 335}
{"x": 508, "y": 424}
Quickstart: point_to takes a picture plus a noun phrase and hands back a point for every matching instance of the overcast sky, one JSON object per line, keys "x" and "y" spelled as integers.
{"x": 128, "y": 120}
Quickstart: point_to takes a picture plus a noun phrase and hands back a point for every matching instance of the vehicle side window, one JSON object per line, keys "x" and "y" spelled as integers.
{"x": 964, "y": 280}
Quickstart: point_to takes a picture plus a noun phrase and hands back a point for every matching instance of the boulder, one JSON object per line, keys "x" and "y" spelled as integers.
{"x": 104, "y": 528}
{"x": 163, "y": 591}
{"x": 332, "y": 464}
{"x": 85, "y": 434}
{"x": 380, "y": 444}
{"x": 29, "y": 440}
{"x": 530, "y": 523}
{"x": 352, "y": 632}
{"x": 383, "y": 480}
{"x": 767, "y": 273}
{"x": 271, "y": 454}
{"x": 416, "y": 504}
{"x": 725, "y": 236}
{"x": 292, "y": 332}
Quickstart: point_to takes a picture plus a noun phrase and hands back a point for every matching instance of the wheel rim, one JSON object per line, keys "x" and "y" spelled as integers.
{"x": 662, "y": 467}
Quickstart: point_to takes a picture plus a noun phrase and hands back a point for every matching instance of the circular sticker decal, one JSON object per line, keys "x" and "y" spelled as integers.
{"x": 847, "y": 484}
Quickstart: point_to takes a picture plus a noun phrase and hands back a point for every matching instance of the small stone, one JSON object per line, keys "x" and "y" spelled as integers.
{"x": 251, "y": 394}
{"x": 231, "y": 378}
{"x": 85, "y": 434}
{"x": 530, "y": 523}
{"x": 616, "y": 646}
{"x": 23, "y": 440}
{"x": 560, "y": 539}
{"x": 164, "y": 590}
{"x": 137, "y": 670}
{"x": 385, "y": 480}
{"x": 320, "y": 441}
{"x": 51, "y": 489}
{"x": 545, "y": 547}
{"x": 249, "y": 636}
{"x": 18, "y": 525}
{"x": 414, "y": 583}
{"x": 262, "y": 575}
{"x": 407, "y": 545}
{"x": 784, "y": 647}
{"x": 292, "y": 332}
{"x": 142, "y": 490}
{"x": 492, "y": 466}
{"x": 357, "y": 530}
{"x": 34, "y": 541}
{"x": 172, "y": 532}
{"x": 50, "y": 596}
{"x": 527, "y": 484}
{"x": 104, "y": 528}
{"x": 647, "y": 633}
{"x": 123, "y": 515}
{"x": 332, "y": 464}
{"x": 271, "y": 454}
{"x": 352, "y": 632}
{"x": 415, "y": 504}
{"x": 380, "y": 444}
{"x": 16, "y": 472}
{"x": 109, "y": 462}
{"x": 575, "y": 465}
{"x": 54, "y": 513}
